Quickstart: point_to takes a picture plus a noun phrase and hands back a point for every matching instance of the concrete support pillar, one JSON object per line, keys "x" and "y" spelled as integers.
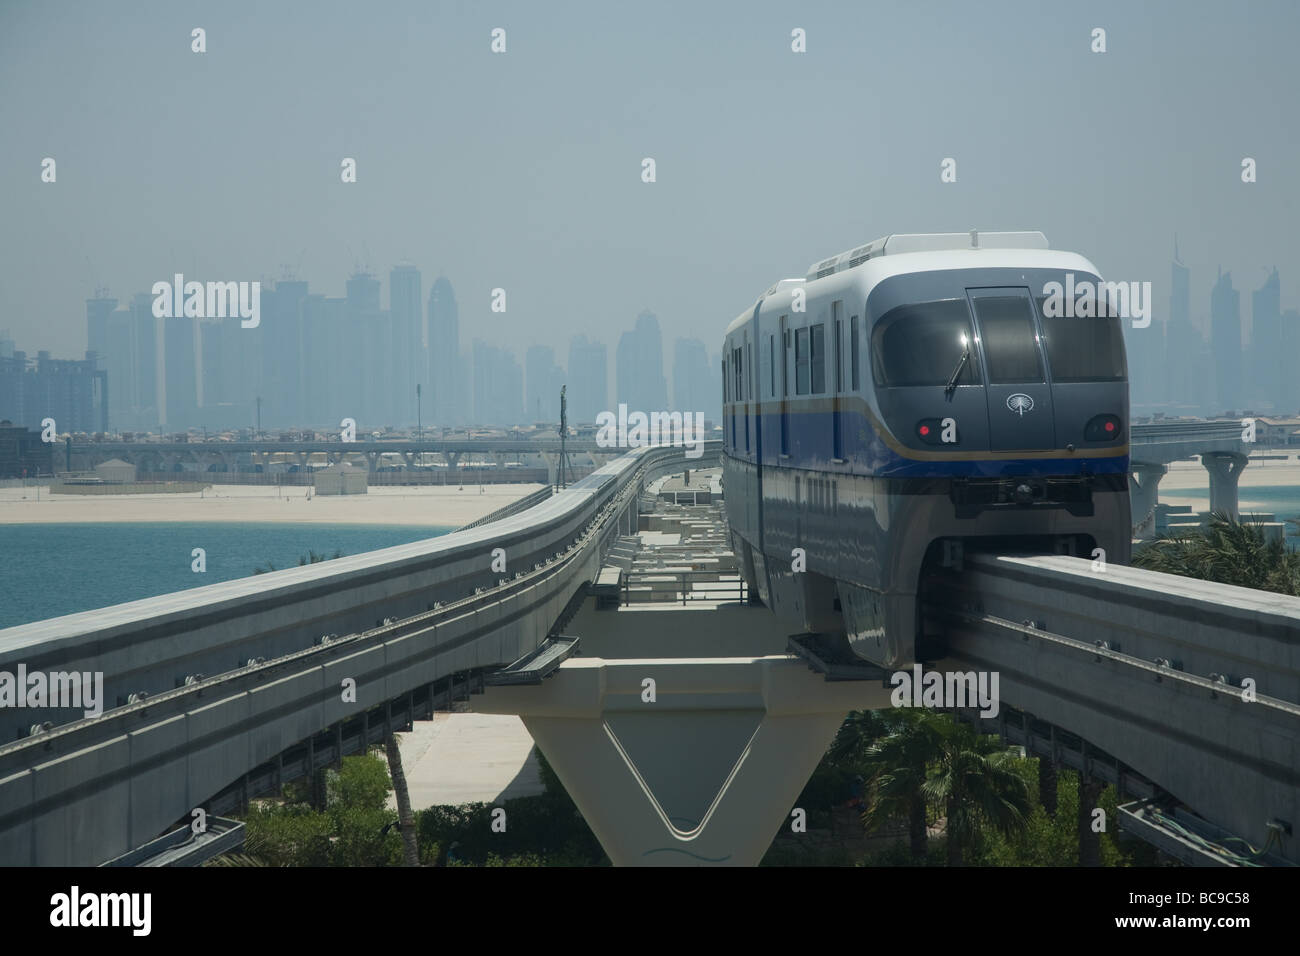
{"x": 1144, "y": 491}
{"x": 1089, "y": 840}
{"x": 684, "y": 761}
{"x": 1047, "y": 785}
{"x": 552, "y": 460}
{"x": 1225, "y": 470}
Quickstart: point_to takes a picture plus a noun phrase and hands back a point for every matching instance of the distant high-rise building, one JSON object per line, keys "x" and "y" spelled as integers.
{"x": 640, "y": 366}
{"x": 692, "y": 384}
{"x": 410, "y": 366}
{"x": 181, "y": 379}
{"x": 1182, "y": 341}
{"x": 281, "y": 352}
{"x": 542, "y": 382}
{"x": 367, "y": 395}
{"x": 146, "y": 396}
{"x": 1267, "y": 357}
{"x": 1148, "y": 359}
{"x": 1225, "y": 340}
{"x": 326, "y": 357}
{"x": 588, "y": 380}
{"x": 6, "y": 344}
{"x": 70, "y": 391}
{"x": 1289, "y": 393}
{"x": 445, "y": 388}
{"x": 498, "y": 386}
{"x": 98, "y": 313}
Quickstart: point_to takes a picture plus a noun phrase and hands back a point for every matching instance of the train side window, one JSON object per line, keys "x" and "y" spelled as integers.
{"x": 751, "y": 382}
{"x": 818, "y": 359}
{"x": 853, "y": 351}
{"x": 837, "y": 328}
{"x": 726, "y": 392}
{"x": 801, "y": 361}
{"x": 771, "y": 365}
{"x": 785, "y": 357}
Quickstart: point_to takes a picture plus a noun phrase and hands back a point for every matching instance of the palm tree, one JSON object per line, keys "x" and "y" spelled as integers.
{"x": 405, "y": 818}
{"x": 897, "y": 765}
{"x": 1227, "y": 551}
{"x": 861, "y": 729}
{"x": 975, "y": 782}
{"x": 311, "y": 557}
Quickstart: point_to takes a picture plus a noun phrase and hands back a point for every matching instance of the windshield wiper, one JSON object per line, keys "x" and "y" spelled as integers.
{"x": 956, "y": 373}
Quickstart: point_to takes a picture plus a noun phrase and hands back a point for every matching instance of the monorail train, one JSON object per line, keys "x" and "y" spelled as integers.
{"x": 911, "y": 394}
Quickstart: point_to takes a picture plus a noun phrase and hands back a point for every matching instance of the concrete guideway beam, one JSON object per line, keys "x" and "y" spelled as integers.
{"x": 694, "y": 761}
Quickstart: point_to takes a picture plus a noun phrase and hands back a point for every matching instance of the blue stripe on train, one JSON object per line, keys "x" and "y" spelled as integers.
{"x": 809, "y": 444}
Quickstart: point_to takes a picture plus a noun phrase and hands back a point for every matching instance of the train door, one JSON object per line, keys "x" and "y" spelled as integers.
{"x": 837, "y": 382}
{"x": 785, "y": 388}
{"x": 1016, "y": 387}
{"x": 756, "y": 393}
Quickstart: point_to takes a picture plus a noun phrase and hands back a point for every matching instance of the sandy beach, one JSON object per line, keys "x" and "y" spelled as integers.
{"x": 426, "y": 506}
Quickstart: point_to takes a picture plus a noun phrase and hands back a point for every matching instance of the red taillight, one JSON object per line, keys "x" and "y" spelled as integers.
{"x": 1103, "y": 428}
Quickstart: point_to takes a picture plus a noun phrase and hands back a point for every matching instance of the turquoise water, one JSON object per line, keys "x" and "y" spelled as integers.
{"x": 47, "y": 570}
{"x": 1282, "y": 501}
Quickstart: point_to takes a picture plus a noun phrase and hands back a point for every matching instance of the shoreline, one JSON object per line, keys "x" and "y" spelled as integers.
{"x": 432, "y": 506}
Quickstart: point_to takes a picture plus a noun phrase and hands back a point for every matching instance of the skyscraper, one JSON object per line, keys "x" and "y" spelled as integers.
{"x": 588, "y": 380}
{"x": 542, "y": 382}
{"x": 445, "y": 381}
{"x": 326, "y": 359}
{"x": 1182, "y": 340}
{"x": 410, "y": 366}
{"x": 367, "y": 397}
{"x": 498, "y": 386}
{"x": 281, "y": 352}
{"x": 145, "y": 329}
{"x": 1289, "y": 397}
{"x": 692, "y": 385}
{"x": 640, "y": 366}
{"x": 1266, "y": 343}
{"x": 1225, "y": 338}
{"x": 181, "y": 380}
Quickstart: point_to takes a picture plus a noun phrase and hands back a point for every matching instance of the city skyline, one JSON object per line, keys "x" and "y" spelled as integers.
{"x": 315, "y": 359}
{"x": 526, "y": 176}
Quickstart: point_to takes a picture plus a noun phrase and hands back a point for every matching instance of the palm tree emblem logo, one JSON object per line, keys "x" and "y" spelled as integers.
{"x": 1020, "y": 403}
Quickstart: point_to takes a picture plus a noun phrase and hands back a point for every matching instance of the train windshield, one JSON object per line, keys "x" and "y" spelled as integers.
{"x": 1084, "y": 349}
{"x": 923, "y": 344}
{"x": 1010, "y": 342}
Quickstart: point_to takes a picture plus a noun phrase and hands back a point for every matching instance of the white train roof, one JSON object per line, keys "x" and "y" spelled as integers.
{"x": 902, "y": 243}
{"x": 925, "y": 252}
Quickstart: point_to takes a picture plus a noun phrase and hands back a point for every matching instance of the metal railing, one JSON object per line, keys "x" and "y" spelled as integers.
{"x": 523, "y": 504}
{"x": 718, "y": 587}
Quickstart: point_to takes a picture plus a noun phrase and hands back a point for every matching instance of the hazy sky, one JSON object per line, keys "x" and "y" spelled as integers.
{"x": 523, "y": 170}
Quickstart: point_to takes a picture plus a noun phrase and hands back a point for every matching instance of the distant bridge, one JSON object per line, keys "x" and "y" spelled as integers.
{"x": 1153, "y": 446}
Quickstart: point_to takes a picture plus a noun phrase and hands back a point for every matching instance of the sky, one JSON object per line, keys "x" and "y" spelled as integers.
{"x": 522, "y": 170}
